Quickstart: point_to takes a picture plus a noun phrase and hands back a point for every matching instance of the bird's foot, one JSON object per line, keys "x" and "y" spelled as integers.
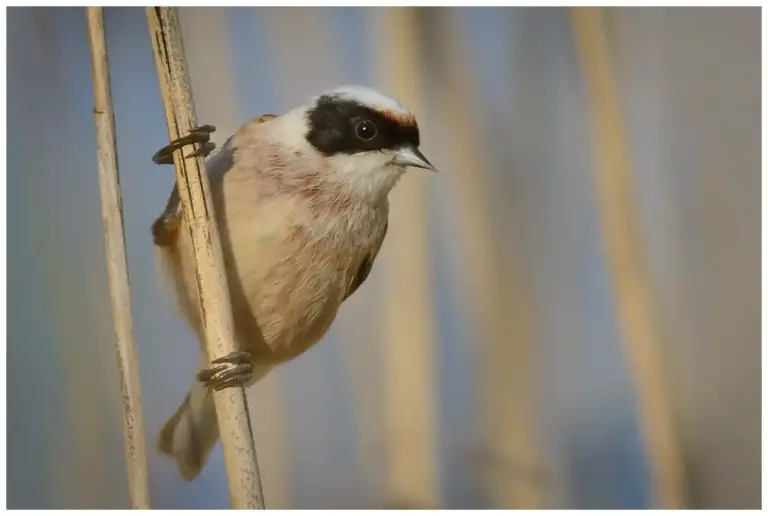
{"x": 198, "y": 135}
{"x": 235, "y": 369}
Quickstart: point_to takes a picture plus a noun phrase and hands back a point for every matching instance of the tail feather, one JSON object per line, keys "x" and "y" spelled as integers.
{"x": 192, "y": 431}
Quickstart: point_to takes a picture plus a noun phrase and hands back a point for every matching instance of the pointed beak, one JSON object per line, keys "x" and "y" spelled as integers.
{"x": 411, "y": 156}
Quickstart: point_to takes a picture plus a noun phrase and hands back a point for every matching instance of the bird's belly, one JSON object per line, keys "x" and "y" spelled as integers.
{"x": 286, "y": 277}
{"x": 284, "y": 302}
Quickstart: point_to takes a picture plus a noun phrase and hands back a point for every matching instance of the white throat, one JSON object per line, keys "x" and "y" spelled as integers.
{"x": 369, "y": 175}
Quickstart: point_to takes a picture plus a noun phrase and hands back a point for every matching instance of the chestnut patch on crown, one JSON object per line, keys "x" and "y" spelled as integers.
{"x": 341, "y": 126}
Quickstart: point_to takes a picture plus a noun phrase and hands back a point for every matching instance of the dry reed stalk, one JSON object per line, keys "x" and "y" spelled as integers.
{"x": 627, "y": 257}
{"x": 410, "y": 347}
{"x": 117, "y": 266}
{"x": 503, "y": 327}
{"x": 243, "y": 475}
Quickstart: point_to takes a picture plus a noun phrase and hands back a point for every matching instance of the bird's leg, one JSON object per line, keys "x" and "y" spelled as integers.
{"x": 199, "y": 135}
{"x": 235, "y": 369}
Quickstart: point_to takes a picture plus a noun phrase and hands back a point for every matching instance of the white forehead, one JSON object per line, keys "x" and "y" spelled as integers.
{"x": 369, "y": 97}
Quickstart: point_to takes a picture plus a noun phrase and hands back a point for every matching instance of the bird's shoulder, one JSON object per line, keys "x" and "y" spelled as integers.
{"x": 166, "y": 226}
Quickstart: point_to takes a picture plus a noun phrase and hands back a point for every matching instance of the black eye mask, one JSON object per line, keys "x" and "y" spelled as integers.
{"x": 334, "y": 128}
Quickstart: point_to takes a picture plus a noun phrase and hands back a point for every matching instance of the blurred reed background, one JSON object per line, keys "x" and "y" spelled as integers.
{"x": 488, "y": 361}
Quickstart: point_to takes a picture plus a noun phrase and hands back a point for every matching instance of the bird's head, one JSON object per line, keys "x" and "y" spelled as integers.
{"x": 367, "y": 138}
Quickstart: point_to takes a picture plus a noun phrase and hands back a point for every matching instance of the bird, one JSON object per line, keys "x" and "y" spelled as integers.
{"x": 301, "y": 204}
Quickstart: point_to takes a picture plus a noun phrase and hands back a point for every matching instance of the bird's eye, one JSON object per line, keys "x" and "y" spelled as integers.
{"x": 366, "y": 130}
